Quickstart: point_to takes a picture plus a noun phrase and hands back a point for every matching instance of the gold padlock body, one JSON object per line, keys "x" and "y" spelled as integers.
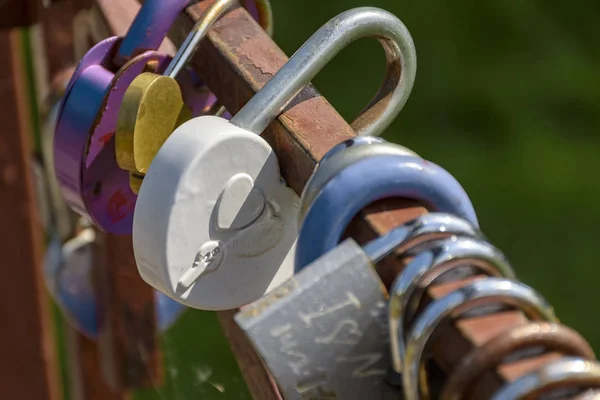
{"x": 151, "y": 110}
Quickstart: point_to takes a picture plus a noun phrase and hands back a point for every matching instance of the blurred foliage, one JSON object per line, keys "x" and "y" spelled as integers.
{"x": 508, "y": 100}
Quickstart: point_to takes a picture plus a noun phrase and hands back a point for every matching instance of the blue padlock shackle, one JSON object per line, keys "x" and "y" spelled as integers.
{"x": 370, "y": 180}
{"x": 355, "y": 141}
{"x": 342, "y": 156}
{"x": 321, "y": 48}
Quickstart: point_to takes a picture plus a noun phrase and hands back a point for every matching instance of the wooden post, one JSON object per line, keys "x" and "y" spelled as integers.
{"x": 28, "y": 362}
{"x": 126, "y": 356}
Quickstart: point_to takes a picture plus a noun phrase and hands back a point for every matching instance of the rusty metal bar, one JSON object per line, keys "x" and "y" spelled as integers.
{"x": 28, "y": 362}
{"x": 238, "y": 59}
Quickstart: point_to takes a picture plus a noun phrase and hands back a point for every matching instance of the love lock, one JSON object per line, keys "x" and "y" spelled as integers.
{"x": 153, "y": 105}
{"x": 366, "y": 181}
{"x": 90, "y": 179}
{"x": 68, "y": 276}
{"x": 323, "y": 334}
{"x": 214, "y": 226}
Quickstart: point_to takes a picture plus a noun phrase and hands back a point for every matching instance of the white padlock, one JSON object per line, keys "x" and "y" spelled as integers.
{"x": 214, "y": 225}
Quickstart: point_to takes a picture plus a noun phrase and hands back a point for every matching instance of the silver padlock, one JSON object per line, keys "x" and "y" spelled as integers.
{"x": 323, "y": 334}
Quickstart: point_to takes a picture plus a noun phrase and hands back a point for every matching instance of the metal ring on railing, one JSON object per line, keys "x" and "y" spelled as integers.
{"x": 425, "y": 268}
{"x": 564, "y": 373}
{"x": 548, "y": 336}
{"x": 482, "y": 292}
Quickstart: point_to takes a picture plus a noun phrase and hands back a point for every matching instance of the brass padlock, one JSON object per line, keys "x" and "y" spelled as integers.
{"x": 153, "y": 105}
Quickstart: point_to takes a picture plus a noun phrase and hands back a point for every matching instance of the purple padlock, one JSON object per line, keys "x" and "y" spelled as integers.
{"x": 85, "y": 163}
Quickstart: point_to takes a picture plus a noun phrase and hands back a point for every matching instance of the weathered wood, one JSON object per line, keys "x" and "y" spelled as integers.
{"x": 55, "y": 64}
{"x": 28, "y": 361}
{"x": 129, "y": 343}
{"x": 127, "y": 355}
{"x": 19, "y": 13}
{"x": 84, "y": 370}
{"x": 238, "y": 59}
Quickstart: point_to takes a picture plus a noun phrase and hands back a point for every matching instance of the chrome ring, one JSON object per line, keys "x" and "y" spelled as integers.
{"x": 406, "y": 291}
{"x": 486, "y": 291}
{"x": 564, "y": 371}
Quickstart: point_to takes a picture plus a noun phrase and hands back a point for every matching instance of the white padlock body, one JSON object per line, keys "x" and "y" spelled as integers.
{"x": 214, "y": 227}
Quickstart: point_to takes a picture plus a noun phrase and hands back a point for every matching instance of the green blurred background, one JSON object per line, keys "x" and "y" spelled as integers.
{"x": 507, "y": 99}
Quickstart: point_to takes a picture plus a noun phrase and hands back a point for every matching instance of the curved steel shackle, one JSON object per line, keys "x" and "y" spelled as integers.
{"x": 429, "y": 227}
{"x": 562, "y": 373}
{"x": 370, "y": 180}
{"x": 406, "y": 291}
{"x": 552, "y": 337}
{"x": 341, "y": 156}
{"x": 321, "y": 48}
{"x": 198, "y": 32}
{"x": 485, "y": 291}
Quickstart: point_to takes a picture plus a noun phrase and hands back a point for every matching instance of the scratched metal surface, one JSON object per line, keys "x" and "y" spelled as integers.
{"x": 324, "y": 333}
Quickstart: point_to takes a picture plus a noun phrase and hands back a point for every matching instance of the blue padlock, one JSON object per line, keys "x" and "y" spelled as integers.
{"x": 68, "y": 276}
{"x": 370, "y": 180}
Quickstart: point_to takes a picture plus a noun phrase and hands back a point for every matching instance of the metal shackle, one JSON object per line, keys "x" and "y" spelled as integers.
{"x": 550, "y": 336}
{"x": 321, "y": 48}
{"x": 197, "y": 34}
{"x": 342, "y": 156}
{"x": 478, "y": 293}
{"x": 370, "y": 180}
{"x": 564, "y": 373}
{"x": 407, "y": 290}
